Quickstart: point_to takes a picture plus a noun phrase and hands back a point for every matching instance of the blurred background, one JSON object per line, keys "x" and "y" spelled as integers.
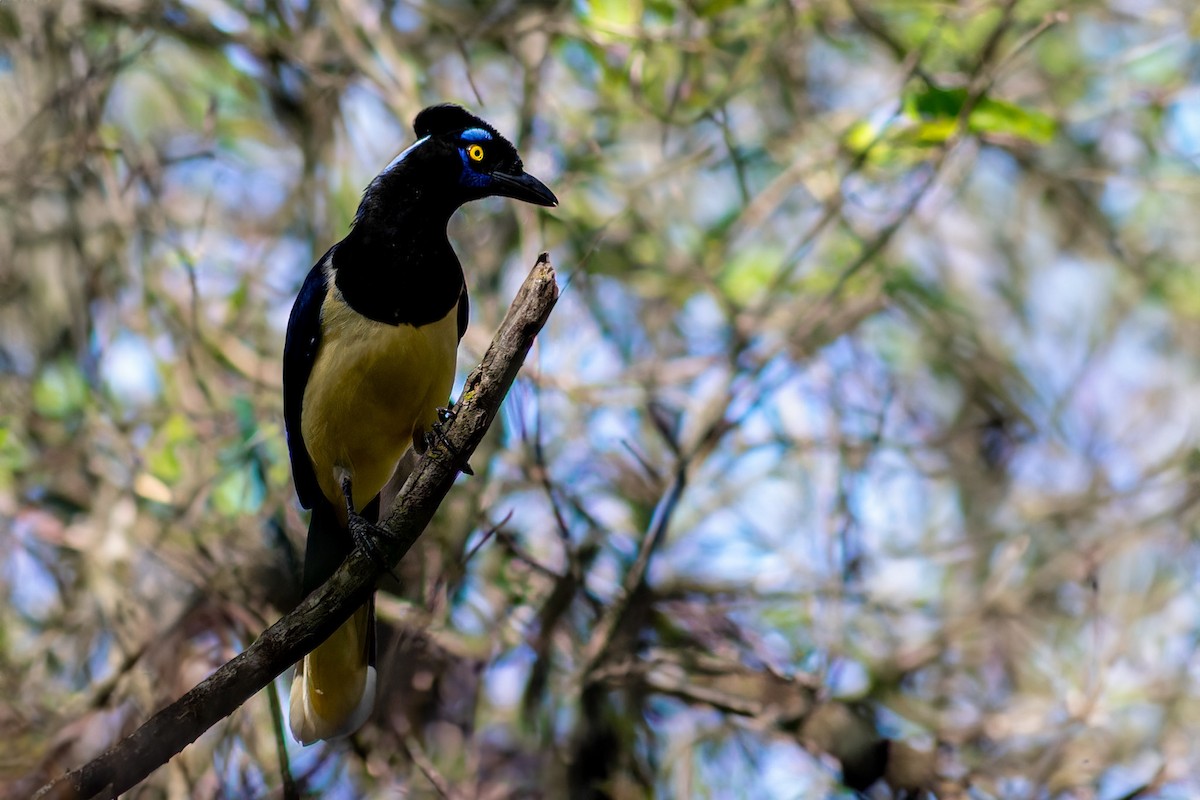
{"x": 859, "y": 455}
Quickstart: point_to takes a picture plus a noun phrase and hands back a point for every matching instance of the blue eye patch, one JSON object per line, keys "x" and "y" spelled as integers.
{"x": 469, "y": 176}
{"x": 475, "y": 135}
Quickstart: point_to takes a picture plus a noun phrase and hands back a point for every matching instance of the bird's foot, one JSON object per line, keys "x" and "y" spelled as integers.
{"x": 437, "y": 433}
{"x": 366, "y": 534}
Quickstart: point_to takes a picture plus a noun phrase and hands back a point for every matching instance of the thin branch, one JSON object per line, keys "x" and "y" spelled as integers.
{"x": 417, "y": 753}
{"x": 486, "y": 536}
{"x": 322, "y": 612}
{"x": 602, "y": 636}
{"x": 285, "y": 768}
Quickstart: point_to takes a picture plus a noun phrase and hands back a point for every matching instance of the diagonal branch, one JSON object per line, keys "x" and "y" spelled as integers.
{"x": 319, "y": 615}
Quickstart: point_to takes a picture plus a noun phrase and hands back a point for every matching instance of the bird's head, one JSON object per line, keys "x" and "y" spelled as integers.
{"x": 458, "y": 157}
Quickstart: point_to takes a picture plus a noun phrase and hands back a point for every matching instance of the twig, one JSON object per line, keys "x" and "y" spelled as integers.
{"x": 598, "y": 646}
{"x": 417, "y": 753}
{"x": 486, "y": 536}
{"x": 285, "y": 767}
{"x": 322, "y": 612}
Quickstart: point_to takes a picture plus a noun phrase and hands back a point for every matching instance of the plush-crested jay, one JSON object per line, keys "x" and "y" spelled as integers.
{"x": 369, "y": 362}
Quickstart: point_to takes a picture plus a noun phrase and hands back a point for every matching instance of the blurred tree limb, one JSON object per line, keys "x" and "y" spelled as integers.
{"x": 874, "y": 413}
{"x": 170, "y": 730}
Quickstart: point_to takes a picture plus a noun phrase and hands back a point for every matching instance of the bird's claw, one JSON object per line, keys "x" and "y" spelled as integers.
{"x": 366, "y": 534}
{"x": 437, "y": 433}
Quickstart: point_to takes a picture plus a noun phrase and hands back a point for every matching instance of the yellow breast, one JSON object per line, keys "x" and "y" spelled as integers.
{"x": 374, "y": 389}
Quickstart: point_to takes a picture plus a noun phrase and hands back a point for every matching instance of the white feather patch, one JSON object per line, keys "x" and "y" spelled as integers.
{"x": 406, "y": 152}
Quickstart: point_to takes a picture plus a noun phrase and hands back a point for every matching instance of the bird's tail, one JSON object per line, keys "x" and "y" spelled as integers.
{"x": 333, "y": 691}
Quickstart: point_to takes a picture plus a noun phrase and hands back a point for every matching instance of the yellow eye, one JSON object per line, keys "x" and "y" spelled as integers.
{"x": 475, "y": 152}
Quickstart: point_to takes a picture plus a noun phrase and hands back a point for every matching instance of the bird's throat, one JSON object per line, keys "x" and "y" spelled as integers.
{"x": 401, "y": 274}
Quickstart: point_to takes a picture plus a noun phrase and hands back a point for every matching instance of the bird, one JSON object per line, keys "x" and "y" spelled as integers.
{"x": 368, "y": 365}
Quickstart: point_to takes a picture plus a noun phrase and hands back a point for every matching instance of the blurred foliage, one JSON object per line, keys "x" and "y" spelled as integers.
{"x": 859, "y": 454}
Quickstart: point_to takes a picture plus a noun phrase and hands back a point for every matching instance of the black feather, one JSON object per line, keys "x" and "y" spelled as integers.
{"x": 448, "y": 118}
{"x": 299, "y": 354}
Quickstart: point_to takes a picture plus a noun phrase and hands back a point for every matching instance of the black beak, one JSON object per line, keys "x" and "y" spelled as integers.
{"x": 523, "y": 187}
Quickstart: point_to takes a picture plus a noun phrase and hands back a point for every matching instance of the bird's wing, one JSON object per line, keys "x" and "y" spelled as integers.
{"x": 464, "y": 311}
{"x": 299, "y": 354}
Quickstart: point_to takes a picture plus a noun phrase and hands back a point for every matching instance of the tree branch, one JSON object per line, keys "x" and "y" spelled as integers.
{"x": 319, "y": 615}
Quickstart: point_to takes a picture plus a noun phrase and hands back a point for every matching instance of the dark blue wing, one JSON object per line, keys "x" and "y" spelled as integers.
{"x": 299, "y": 354}
{"x": 464, "y": 311}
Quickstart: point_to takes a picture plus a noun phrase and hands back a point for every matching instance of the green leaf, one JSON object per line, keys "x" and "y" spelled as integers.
{"x": 239, "y": 492}
{"x": 611, "y": 15}
{"x": 1177, "y": 286}
{"x": 247, "y": 417}
{"x": 164, "y": 462}
{"x": 14, "y": 456}
{"x": 888, "y": 146}
{"x": 1001, "y": 116}
{"x": 711, "y": 8}
{"x": 938, "y": 111}
{"x": 930, "y": 133}
{"x": 860, "y": 136}
{"x": 750, "y": 273}
{"x": 934, "y": 103}
{"x": 60, "y": 391}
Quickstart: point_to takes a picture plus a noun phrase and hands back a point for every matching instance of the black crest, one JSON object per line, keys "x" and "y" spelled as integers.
{"x": 447, "y": 118}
